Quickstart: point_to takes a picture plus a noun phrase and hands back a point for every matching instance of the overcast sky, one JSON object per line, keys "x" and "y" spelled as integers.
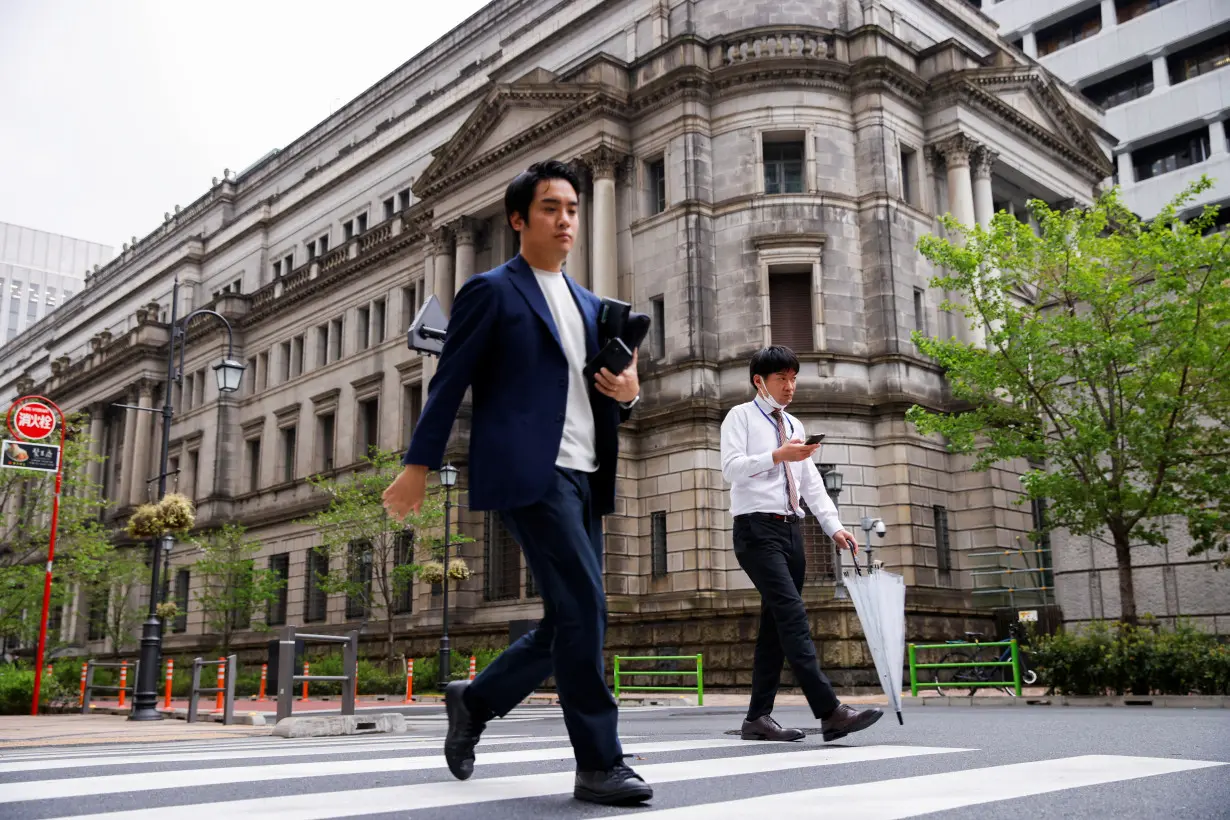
{"x": 114, "y": 111}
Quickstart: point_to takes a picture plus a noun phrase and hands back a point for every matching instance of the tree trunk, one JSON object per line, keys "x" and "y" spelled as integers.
{"x": 1127, "y": 588}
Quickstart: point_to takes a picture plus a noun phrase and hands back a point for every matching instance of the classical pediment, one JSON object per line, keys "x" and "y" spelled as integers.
{"x": 511, "y": 116}
{"x": 1026, "y": 99}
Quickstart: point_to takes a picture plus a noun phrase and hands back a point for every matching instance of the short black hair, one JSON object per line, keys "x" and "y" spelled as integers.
{"x": 520, "y": 192}
{"x": 770, "y": 360}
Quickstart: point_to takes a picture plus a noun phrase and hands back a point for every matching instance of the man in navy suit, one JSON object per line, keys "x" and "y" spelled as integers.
{"x": 543, "y": 451}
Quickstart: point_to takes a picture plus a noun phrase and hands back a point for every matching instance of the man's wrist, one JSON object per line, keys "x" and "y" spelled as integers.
{"x": 628, "y": 405}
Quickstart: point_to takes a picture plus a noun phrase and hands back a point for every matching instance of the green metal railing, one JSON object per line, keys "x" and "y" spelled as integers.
{"x": 1015, "y": 663}
{"x": 699, "y": 688}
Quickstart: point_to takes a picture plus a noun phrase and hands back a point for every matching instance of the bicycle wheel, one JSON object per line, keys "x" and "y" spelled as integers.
{"x": 964, "y": 674}
{"x": 1028, "y": 676}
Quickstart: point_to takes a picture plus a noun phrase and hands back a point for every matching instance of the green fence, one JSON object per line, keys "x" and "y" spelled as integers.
{"x": 1015, "y": 663}
{"x": 699, "y": 688}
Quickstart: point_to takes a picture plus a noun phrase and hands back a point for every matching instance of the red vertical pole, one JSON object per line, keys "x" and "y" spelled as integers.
{"x": 81, "y": 701}
{"x": 306, "y": 667}
{"x": 51, "y": 557}
{"x": 170, "y": 676}
{"x": 123, "y": 681}
{"x": 264, "y": 674}
{"x": 409, "y": 680}
{"x": 221, "y": 682}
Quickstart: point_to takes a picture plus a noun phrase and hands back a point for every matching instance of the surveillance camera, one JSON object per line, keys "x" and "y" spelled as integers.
{"x": 880, "y": 529}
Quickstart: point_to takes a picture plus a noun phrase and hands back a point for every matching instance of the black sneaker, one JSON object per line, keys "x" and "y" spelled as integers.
{"x": 617, "y": 786}
{"x": 463, "y": 731}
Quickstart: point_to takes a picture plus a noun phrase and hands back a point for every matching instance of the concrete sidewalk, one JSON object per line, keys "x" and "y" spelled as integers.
{"x": 75, "y": 730}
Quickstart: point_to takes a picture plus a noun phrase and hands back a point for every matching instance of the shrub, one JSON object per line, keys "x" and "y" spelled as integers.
{"x": 1122, "y": 659}
{"x": 17, "y": 689}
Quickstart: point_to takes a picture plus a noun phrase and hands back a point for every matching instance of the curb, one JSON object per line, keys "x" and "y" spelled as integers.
{"x": 246, "y": 719}
{"x": 336, "y": 725}
{"x": 1136, "y": 701}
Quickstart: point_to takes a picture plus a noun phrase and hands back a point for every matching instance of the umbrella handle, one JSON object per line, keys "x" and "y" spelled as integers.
{"x": 854, "y": 558}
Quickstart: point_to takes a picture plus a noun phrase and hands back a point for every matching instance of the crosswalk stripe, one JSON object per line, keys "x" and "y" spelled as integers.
{"x": 924, "y": 794}
{"x": 118, "y": 784}
{"x": 391, "y": 799}
{"x": 255, "y": 744}
{"x": 302, "y": 750}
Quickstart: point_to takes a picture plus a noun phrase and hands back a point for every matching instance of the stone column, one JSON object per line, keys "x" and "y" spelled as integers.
{"x": 604, "y": 271}
{"x": 956, "y": 151}
{"x": 127, "y": 462}
{"x": 140, "y": 445}
{"x": 1127, "y": 173}
{"x": 96, "y": 443}
{"x": 464, "y": 231}
{"x": 578, "y": 260}
{"x": 984, "y": 203}
{"x": 441, "y": 241}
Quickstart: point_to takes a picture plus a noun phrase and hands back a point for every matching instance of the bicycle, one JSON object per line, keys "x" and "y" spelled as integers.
{"x": 983, "y": 674}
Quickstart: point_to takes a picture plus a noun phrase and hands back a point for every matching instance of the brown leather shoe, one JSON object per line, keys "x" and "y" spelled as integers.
{"x": 846, "y": 720}
{"x": 766, "y": 728}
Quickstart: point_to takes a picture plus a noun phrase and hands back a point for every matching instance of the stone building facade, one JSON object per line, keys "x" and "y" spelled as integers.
{"x": 753, "y": 172}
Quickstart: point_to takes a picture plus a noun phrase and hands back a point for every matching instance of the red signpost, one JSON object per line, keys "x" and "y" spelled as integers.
{"x": 30, "y": 420}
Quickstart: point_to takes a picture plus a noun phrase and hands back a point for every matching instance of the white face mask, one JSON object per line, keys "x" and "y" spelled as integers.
{"x": 767, "y": 398}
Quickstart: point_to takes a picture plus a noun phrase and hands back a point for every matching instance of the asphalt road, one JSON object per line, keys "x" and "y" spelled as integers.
{"x": 955, "y": 763}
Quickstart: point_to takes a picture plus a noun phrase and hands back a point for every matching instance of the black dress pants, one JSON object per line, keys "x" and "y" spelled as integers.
{"x": 770, "y": 550}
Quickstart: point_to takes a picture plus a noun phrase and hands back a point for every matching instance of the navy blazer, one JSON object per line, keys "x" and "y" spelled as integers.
{"x": 503, "y": 344}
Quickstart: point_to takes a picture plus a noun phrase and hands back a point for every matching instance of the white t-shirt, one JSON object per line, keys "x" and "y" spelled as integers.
{"x": 576, "y": 450}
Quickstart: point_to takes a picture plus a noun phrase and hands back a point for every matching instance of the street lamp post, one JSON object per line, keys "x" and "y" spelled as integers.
{"x": 229, "y": 374}
{"x": 448, "y": 477}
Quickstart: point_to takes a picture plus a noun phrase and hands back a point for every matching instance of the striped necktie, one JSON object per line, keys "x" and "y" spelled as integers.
{"x": 792, "y": 492}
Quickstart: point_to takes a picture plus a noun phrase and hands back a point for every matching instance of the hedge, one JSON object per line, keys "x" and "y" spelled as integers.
{"x": 17, "y": 689}
{"x": 1121, "y": 659}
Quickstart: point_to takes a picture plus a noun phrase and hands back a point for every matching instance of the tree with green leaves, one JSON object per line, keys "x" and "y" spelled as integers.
{"x": 373, "y": 558}
{"x": 231, "y": 586}
{"x": 83, "y": 545}
{"x": 121, "y": 576}
{"x": 1106, "y": 365}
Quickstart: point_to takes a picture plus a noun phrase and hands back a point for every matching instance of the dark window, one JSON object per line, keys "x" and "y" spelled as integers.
{"x": 55, "y": 620}
{"x": 943, "y": 547}
{"x": 1200, "y": 59}
{"x": 369, "y": 426}
{"x": 657, "y": 186}
{"x": 909, "y": 173}
{"x": 288, "y": 453}
{"x": 658, "y": 316}
{"x": 501, "y": 562}
{"x": 254, "y": 464}
{"x": 412, "y": 408}
{"x": 1042, "y": 542}
{"x": 365, "y": 328}
{"x": 1122, "y": 88}
{"x": 657, "y": 525}
{"x": 275, "y": 612}
{"x": 359, "y": 557}
{"x": 378, "y": 312}
{"x": 324, "y": 442}
{"x": 315, "y": 599}
{"x": 1131, "y": 9}
{"x": 96, "y": 623}
{"x": 1172, "y": 154}
{"x": 1072, "y": 30}
{"x": 790, "y": 319}
{"x": 182, "y": 581}
{"x": 819, "y": 550}
{"x": 783, "y": 167}
{"x": 403, "y": 200}
{"x": 403, "y": 555}
{"x": 361, "y": 223}
{"x": 920, "y": 311}
{"x": 390, "y": 208}
{"x": 311, "y": 250}
{"x": 241, "y": 617}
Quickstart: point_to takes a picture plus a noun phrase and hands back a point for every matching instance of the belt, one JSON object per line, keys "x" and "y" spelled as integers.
{"x": 789, "y": 519}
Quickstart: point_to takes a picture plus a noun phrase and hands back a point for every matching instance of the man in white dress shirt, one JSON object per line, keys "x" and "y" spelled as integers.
{"x": 767, "y": 461}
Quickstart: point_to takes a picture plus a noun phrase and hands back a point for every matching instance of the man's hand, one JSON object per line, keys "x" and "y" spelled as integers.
{"x": 405, "y": 494}
{"x": 623, "y": 388}
{"x": 794, "y": 450}
{"x": 846, "y": 541}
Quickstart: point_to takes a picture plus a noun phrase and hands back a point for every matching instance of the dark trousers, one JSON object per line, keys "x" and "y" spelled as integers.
{"x": 561, "y": 538}
{"x": 770, "y": 550}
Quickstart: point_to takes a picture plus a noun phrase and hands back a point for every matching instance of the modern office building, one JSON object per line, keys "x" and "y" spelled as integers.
{"x": 753, "y": 173}
{"x": 1161, "y": 71}
{"x": 39, "y": 272}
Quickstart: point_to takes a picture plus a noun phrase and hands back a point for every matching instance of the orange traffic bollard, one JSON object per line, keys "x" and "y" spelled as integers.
{"x": 123, "y": 681}
{"x": 473, "y": 667}
{"x": 306, "y": 667}
{"x": 170, "y": 675}
{"x": 409, "y": 680}
{"x": 264, "y": 674}
{"x": 221, "y": 682}
{"x": 81, "y": 700}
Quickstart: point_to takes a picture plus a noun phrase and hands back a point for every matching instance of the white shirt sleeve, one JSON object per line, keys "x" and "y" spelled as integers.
{"x": 811, "y": 487}
{"x": 737, "y": 462}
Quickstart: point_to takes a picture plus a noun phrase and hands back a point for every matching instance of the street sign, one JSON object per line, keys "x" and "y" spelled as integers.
{"x": 34, "y": 421}
{"x": 1027, "y": 615}
{"x": 26, "y": 456}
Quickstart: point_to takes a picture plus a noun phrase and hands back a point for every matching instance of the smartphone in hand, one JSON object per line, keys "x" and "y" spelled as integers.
{"x": 815, "y": 439}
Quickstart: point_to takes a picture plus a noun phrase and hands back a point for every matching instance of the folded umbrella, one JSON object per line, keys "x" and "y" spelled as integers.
{"x": 879, "y": 600}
